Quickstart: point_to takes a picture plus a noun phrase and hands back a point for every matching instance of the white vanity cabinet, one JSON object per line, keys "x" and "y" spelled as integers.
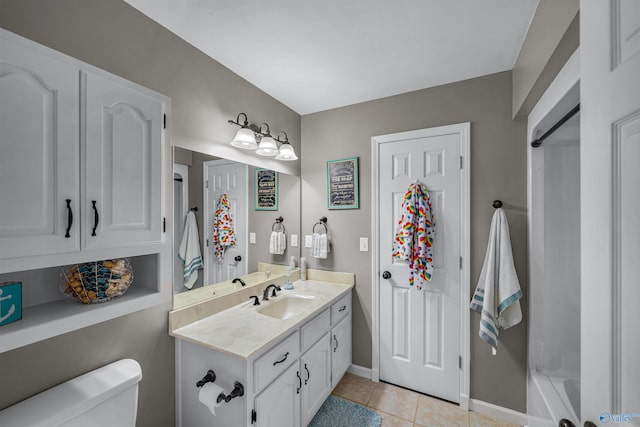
{"x": 65, "y": 126}
{"x": 340, "y": 338}
{"x": 285, "y": 382}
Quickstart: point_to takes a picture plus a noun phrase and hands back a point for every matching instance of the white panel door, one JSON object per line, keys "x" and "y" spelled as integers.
{"x": 122, "y": 148}
{"x": 420, "y": 330}
{"x": 315, "y": 368}
{"x": 39, "y": 151}
{"x": 279, "y": 404}
{"x": 610, "y": 206}
{"x": 223, "y": 176}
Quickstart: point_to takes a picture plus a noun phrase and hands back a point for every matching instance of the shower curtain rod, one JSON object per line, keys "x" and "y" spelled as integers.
{"x": 538, "y": 142}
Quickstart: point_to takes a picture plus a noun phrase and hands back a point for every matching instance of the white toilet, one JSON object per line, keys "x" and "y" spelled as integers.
{"x": 106, "y": 397}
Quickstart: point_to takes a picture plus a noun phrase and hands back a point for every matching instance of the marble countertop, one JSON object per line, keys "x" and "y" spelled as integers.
{"x": 242, "y": 331}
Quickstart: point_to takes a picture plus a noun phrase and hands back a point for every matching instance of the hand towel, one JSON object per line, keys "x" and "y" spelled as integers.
{"x": 415, "y": 234}
{"x": 498, "y": 292}
{"x": 277, "y": 243}
{"x": 189, "y": 251}
{"x": 224, "y": 233}
{"x": 320, "y": 245}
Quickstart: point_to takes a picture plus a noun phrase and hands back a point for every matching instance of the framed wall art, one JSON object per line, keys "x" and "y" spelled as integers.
{"x": 266, "y": 190}
{"x": 342, "y": 184}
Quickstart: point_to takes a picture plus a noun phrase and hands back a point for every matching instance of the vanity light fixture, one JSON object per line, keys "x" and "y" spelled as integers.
{"x": 245, "y": 138}
{"x": 267, "y": 146}
{"x": 249, "y": 135}
{"x": 286, "y": 150}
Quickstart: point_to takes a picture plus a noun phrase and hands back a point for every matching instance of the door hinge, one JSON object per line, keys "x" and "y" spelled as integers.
{"x": 164, "y": 121}
{"x": 206, "y": 183}
{"x": 164, "y": 225}
{"x": 461, "y": 263}
{"x": 254, "y": 416}
{"x": 459, "y": 361}
{"x": 207, "y": 242}
{"x": 461, "y": 162}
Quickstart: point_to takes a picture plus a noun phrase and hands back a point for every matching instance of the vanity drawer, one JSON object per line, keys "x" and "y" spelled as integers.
{"x": 340, "y": 309}
{"x": 275, "y": 361}
{"x": 314, "y": 329}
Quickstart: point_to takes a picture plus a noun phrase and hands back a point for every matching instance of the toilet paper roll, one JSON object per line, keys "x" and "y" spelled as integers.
{"x": 208, "y": 396}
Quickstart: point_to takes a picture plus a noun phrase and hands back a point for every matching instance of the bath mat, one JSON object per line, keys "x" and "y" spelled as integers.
{"x": 337, "y": 412}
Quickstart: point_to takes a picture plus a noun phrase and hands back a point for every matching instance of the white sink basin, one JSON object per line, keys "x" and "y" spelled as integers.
{"x": 287, "y": 307}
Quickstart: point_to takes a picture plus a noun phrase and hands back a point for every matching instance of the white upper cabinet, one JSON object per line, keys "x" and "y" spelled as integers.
{"x": 80, "y": 155}
{"x": 39, "y": 150}
{"x": 121, "y": 196}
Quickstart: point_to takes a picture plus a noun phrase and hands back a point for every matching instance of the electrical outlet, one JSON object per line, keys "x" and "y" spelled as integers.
{"x": 308, "y": 242}
{"x": 252, "y": 238}
{"x": 294, "y": 240}
{"x": 364, "y": 244}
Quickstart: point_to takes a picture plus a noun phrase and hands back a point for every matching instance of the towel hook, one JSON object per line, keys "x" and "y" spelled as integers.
{"x": 497, "y": 204}
{"x": 322, "y": 222}
{"x": 279, "y": 221}
{"x": 194, "y": 209}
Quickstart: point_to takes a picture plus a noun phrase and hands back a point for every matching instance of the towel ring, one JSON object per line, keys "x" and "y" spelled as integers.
{"x": 279, "y": 221}
{"x": 322, "y": 222}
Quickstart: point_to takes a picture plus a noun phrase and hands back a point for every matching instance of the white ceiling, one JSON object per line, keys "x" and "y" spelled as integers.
{"x": 322, "y": 54}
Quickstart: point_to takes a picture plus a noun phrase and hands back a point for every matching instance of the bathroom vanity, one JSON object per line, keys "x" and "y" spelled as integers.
{"x": 288, "y": 352}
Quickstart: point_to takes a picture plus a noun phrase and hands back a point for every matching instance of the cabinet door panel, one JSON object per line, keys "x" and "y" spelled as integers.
{"x": 279, "y": 404}
{"x": 315, "y": 366}
{"x": 341, "y": 349}
{"x": 122, "y": 153}
{"x": 39, "y": 114}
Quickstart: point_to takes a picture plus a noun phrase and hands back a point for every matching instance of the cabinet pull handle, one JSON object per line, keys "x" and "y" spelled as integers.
{"x": 283, "y": 359}
{"x": 336, "y": 341}
{"x": 308, "y": 374}
{"x": 69, "y": 218}
{"x": 300, "y": 380}
{"x": 96, "y": 218}
{"x": 343, "y": 308}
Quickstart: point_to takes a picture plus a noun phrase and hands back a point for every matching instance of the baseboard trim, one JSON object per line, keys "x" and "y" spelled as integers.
{"x": 498, "y": 412}
{"x": 360, "y": 371}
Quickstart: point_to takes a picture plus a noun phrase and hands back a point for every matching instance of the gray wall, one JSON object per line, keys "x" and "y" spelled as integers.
{"x": 498, "y": 165}
{"x": 113, "y": 36}
{"x": 261, "y": 222}
{"x": 546, "y": 31}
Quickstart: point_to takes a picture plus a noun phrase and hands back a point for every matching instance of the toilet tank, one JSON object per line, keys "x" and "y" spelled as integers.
{"x": 105, "y": 397}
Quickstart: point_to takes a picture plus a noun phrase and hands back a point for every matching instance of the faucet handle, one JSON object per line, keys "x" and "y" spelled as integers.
{"x": 275, "y": 288}
{"x": 256, "y": 301}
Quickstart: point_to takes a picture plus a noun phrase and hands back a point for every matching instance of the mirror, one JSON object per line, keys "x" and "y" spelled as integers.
{"x": 199, "y": 182}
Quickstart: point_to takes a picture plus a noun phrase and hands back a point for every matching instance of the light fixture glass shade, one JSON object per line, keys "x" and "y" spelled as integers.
{"x": 286, "y": 152}
{"x": 267, "y": 147}
{"x": 245, "y": 139}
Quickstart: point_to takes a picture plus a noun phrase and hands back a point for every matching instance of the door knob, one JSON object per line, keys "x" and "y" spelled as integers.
{"x": 386, "y": 275}
{"x": 238, "y": 258}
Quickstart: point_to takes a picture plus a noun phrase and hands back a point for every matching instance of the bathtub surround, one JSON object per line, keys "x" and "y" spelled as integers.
{"x": 497, "y": 151}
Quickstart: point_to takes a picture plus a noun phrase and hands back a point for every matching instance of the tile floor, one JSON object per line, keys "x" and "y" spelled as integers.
{"x": 405, "y": 408}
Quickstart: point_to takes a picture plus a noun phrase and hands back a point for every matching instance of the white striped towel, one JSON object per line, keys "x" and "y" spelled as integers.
{"x": 189, "y": 251}
{"x": 498, "y": 292}
{"x": 277, "y": 243}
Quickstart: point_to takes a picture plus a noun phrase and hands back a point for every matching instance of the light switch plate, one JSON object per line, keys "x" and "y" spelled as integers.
{"x": 294, "y": 240}
{"x": 307, "y": 241}
{"x": 364, "y": 244}
{"x": 252, "y": 238}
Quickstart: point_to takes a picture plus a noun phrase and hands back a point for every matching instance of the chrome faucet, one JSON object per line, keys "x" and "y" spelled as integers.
{"x": 237, "y": 279}
{"x": 265, "y": 295}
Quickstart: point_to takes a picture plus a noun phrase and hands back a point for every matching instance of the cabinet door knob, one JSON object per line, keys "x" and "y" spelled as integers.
{"x": 96, "y": 217}
{"x": 238, "y": 258}
{"x": 336, "y": 341}
{"x": 386, "y": 275}
{"x": 300, "y": 382}
{"x": 69, "y": 218}
{"x": 281, "y": 360}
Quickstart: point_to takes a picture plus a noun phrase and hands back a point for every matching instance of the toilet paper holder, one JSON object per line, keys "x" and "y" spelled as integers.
{"x": 238, "y": 388}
